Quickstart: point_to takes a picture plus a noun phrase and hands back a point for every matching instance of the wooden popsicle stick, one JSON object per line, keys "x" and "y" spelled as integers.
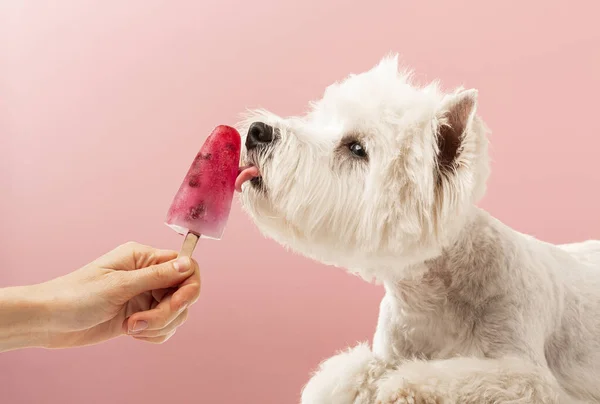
{"x": 189, "y": 244}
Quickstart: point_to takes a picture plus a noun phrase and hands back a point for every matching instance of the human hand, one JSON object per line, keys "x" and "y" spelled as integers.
{"x": 134, "y": 289}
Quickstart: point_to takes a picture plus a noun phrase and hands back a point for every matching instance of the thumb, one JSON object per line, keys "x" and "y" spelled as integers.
{"x": 158, "y": 276}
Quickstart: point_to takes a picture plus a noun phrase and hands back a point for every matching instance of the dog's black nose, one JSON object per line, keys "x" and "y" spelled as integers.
{"x": 259, "y": 134}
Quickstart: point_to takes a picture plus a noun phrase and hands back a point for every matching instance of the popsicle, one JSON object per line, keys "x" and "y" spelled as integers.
{"x": 202, "y": 205}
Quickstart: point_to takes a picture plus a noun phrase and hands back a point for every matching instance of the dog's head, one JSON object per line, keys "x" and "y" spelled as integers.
{"x": 378, "y": 172}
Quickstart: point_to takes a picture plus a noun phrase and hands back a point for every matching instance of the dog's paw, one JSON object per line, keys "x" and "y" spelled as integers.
{"x": 399, "y": 388}
{"x": 408, "y": 395}
{"x": 347, "y": 378}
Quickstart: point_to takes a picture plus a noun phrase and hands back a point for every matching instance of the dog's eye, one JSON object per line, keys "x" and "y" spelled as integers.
{"x": 357, "y": 149}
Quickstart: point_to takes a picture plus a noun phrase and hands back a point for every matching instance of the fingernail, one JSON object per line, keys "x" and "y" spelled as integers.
{"x": 184, "y": 306}
{"x": 138, "y": 326}
{"x": 182, "y": 264}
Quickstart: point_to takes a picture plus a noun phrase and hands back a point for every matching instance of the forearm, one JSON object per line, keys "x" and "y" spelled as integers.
{"x": 24, "y": 318}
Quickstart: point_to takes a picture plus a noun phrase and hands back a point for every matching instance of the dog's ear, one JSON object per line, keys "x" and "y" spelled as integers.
{"x": 453, "y": 123}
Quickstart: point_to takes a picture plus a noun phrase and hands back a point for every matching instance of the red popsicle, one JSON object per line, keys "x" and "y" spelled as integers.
{"x": 202, "y": 205}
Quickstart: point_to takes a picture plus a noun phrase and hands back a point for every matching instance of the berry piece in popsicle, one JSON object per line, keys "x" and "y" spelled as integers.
{"x": 202, "y": 205}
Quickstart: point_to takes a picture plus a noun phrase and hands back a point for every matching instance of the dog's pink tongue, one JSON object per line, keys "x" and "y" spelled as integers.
{"x": 246, "y": 174}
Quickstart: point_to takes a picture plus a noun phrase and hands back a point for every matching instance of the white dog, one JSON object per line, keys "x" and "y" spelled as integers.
{"x": 381, "y": 177}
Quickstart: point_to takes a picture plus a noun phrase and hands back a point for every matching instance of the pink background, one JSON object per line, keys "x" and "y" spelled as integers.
{"x": 103, "y": 104}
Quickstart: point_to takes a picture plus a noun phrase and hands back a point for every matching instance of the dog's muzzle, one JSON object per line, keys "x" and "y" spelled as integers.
{"x": 259, "y": 135}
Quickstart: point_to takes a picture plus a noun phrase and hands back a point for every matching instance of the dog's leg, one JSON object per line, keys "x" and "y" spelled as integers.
{"x": 347, "y": 378}
{"x": 470, "y": 381}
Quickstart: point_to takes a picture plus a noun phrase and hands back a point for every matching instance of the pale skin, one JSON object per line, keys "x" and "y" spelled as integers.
{"x": 133, "y": 290}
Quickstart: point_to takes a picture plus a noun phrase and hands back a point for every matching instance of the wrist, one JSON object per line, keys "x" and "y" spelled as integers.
{"x": 25, "y": 316}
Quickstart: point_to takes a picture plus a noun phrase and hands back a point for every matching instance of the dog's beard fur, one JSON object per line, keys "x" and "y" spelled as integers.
{"x": 380, "y": 216}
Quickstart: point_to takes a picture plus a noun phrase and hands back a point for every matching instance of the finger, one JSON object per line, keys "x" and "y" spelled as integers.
{"x": 186, "y": 295}
{"x": 147, "y": 256}
{"x": 156, "y": 340}
{"x": 159, "y": 294}
{"x": 140, "y": 302}
{"x": 132, "y": 255}
{"x": 155, "y": 319}
{"x": 189, "y": 290}
{"x": 160, "y": 276}
{"x": 171, "y": 327}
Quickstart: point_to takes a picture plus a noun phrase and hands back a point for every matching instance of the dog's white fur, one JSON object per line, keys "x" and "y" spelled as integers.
{"x": 474, "y": 311}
